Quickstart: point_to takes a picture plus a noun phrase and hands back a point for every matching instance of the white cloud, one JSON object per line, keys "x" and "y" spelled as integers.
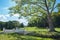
{"x": 7, "y": 17}
{"x": 3, "y": 18}
{"x": 24, "y": 21}
{"x": 16, "y": 15}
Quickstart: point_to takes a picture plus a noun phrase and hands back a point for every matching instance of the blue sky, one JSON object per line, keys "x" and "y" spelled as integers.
{"x": 4, "y": 16}
{"x": 4, "y": 5}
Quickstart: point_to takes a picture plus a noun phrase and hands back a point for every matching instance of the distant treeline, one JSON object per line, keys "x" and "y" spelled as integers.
{"x": 10, "y": 24}
{"x": 42, "y": 21}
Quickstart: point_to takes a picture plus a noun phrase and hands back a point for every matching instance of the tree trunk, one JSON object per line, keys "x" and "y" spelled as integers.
{"x": 50, "y": 23}
{"x": 51, "y": 26}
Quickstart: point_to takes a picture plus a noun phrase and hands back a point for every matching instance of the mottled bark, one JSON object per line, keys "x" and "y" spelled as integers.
{"x": 50, "y": 22}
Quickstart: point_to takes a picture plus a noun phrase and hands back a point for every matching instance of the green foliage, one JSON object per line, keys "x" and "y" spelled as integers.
{"x": 38, "y": 21}
{"x": 56, "y": 19}
{"x": 58, "y": 6}
{"x": 31, "y": 6}
{"x": 32, "y": 9}
{"x": 11, "y": 25}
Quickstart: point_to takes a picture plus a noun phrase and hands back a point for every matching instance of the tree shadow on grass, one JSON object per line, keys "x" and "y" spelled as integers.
{"x": 53, "y": 35}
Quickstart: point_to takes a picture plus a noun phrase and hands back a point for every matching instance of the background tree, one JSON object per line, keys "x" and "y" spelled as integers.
{"x": 56, "y": 19}
{"x": 28, "y": 8}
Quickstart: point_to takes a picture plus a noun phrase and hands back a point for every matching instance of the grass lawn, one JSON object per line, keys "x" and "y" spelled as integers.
{"x": 35, "y": 29}
{"x": 20, "y": 37}
{"x": 39, "y": 29}
{"x": 42, "y": 31}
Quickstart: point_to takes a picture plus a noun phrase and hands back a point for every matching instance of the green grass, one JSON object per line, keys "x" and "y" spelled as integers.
{"x": 42, "y": 31}
{"x": 39, "y": 29}
{"x": 57, "y": 29}
{"x": 20, "y": 37}
{"x": 35, "y": 29}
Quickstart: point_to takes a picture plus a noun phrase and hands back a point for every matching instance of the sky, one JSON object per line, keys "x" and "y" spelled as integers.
{"x": 4, "y": 16}
{"x": 4, "y": 12}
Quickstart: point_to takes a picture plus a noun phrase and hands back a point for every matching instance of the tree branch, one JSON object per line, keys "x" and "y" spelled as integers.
{"x": 53, "y": 6}
{"x": 38, "y": 5}
{"x": 42, "y": 7}
{"x": 47, "y": 6}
